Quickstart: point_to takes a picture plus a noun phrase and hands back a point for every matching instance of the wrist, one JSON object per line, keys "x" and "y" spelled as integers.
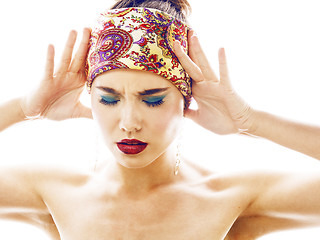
{"x": 11, "y": 113}
{"x": 21, "y": 116}
{"x": 251, "y": 124}
{"x": 257, "y": 120}
{"x": 24, "y": 114}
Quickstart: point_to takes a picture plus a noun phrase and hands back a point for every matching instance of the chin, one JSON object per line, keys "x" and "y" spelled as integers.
{"x": 133, "y": 161}
{"x": 137, "y": 161}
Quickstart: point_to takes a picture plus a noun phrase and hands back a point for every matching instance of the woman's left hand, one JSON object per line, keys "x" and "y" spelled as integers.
{"x": 220, "y": 109}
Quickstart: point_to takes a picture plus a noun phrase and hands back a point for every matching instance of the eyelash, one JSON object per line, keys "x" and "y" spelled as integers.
{"x": 109, "y": 103}
{"x": 153, "y": 104}
{"x": 149, "y": 104}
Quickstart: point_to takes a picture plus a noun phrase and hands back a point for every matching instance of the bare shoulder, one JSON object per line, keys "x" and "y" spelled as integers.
{"x": 46, "y": 175}
{"x": 282, "y": 200}
{"x": 34, "y": 175}
{"x": 26, "y": 189}
{"x": 37, "y": 180}
{"x": 257, "y": 180}
{"x": 242, "y": 187}
{"x": 226, "y": 180}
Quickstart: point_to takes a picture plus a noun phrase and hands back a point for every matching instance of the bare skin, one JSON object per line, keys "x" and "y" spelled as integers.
{"x": 196, "y": 204}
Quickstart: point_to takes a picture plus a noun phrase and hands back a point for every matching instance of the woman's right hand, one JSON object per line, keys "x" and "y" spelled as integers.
{"x": 57, "y": 96}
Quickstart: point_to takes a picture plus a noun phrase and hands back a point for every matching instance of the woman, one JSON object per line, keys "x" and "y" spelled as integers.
{"x": 144, "y": 193}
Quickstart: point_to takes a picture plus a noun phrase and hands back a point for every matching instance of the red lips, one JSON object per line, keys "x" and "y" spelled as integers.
{"x": 131, "y": 146}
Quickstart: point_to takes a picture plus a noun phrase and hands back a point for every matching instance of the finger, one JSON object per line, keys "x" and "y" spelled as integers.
{"x": 49, "y": 68}
{"x": 67, "y": 53}
{"x": 223, "y": 68}
{"x": 81, "y": 55}
{"x": 201, "y": 59}
{"x": 191, "y": 68}
{"x": 191, "y": 52}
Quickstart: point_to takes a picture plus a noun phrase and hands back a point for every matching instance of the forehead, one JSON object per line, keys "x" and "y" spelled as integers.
{"x": 130, "y": 79}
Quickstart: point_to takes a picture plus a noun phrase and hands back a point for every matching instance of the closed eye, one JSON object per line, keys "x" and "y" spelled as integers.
{"x": 154, "y": 101}
{"x": 151, "y": 101}
{"x": 109, "y": 100}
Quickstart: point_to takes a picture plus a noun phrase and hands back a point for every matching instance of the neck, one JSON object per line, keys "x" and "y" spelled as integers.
{"x": 139, "y": 181}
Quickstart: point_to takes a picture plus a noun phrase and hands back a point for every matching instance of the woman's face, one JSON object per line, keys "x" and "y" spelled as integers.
{"x": 132, "y": 104}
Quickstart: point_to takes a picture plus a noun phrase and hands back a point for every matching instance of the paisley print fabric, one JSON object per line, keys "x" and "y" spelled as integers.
{"x": 139, "y": 38}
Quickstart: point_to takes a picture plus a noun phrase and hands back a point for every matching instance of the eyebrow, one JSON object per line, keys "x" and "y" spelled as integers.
{"x": 142, "y": 93}
{"x": 152, "y": 91}
{"x": 109, "y": 90}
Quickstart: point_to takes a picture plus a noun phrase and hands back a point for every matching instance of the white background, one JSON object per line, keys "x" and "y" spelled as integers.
{"x": 273, "y": 53}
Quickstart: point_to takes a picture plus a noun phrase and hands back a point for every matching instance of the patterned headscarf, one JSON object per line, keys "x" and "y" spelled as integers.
{"x": 139, "y": 38}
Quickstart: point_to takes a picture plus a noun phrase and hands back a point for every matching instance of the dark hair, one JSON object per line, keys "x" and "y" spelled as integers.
{"x": 179, "y": 9}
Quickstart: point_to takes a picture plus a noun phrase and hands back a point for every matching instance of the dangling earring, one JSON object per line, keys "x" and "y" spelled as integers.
{"x": 178, "y": 160}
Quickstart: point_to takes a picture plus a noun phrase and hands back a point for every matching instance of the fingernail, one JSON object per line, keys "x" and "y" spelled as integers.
{"x": 177, "y": 43}
{"x": 192, "y": 32}
{"x": 221, "y": 52}
{"x": 195, "y": 36}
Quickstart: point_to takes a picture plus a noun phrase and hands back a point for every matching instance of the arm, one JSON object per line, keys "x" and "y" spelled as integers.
{"x": 222, "y": 111}
{"x": 10, "y": 113}
{"x": 300, "y": 137}
{"x": 57, "y": 98}
{"x": 282, "y": 201}
{"x": 295, "y": 195}
{"x": 18, "y": 193}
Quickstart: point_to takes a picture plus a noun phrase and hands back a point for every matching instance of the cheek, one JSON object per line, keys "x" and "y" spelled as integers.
{"x": 168, "y": 121}
{"x": 105, "y": 118}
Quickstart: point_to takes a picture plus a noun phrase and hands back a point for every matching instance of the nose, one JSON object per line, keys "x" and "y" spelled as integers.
{"x": 130, "y": 118}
